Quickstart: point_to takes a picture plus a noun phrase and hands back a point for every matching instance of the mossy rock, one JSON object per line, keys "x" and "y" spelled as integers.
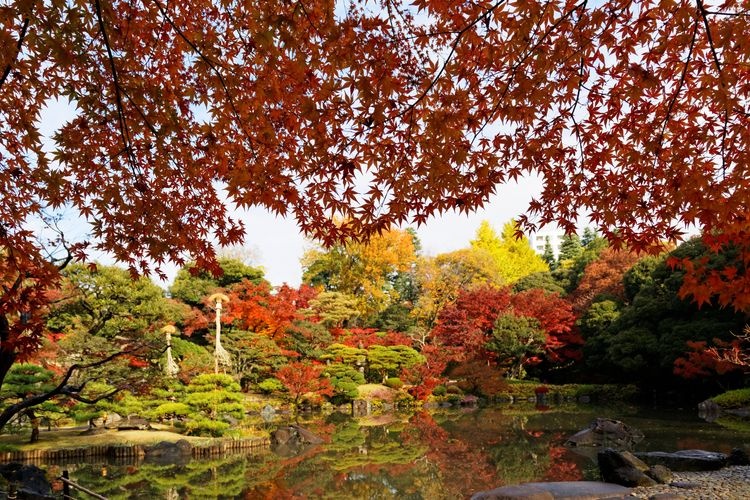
{"x": 738, "y": 398}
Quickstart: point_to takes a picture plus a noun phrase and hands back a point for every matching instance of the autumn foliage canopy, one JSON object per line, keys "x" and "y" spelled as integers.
{"x": 632, "y": 112}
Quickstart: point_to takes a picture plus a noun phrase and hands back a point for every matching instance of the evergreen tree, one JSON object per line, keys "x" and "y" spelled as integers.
{"x": 549, "y": 254}
{"x": 191, "y": 287}
{"x": 589, "y": 235}
{"x": 570, "y": 249}
{"x": 211, "y": 399}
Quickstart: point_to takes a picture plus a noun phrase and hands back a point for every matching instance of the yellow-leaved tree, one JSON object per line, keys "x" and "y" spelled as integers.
{"x": 366, "y": 271}
{"x": 513, "y": 256}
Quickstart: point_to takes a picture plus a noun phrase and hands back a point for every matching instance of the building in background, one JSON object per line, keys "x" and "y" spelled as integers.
{"x": 538, "y": 241}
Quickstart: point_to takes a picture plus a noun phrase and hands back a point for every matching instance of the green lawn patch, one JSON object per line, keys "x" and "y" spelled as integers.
{"x": 737, "y": 398}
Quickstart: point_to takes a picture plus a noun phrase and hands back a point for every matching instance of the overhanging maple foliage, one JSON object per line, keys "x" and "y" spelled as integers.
{"x": 634, "y": 112}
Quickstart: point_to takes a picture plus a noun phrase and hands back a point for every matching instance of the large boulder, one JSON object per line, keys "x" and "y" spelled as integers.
{"x": 306, "y": 436}
{"x": 164, "y": 453}
{"x": 290, "y": 440}
{"x": 31, "y": 481}
{"x": 606, "y": 432}
{"x": 294, "y": 434}
{"x": 623, "y": 468}
{"x": 578, "y": 490}
{"x": 708, "y": 410}
{"x": 686, "y": 460}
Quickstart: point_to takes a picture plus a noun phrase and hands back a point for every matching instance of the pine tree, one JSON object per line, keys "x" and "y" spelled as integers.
{"x": 570, "y": 249}
{"x": 549, "y": 254}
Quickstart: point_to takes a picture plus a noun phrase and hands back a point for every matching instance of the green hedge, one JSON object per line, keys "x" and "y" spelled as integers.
{"x": 524, "y": 389}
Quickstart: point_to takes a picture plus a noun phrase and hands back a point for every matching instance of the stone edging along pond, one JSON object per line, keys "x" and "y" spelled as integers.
{"x": 135, "y": 452}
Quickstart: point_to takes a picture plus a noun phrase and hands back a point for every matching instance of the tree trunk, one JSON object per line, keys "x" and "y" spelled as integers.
{"x": 7, "y": 355}
{"x": 34, "y": 426}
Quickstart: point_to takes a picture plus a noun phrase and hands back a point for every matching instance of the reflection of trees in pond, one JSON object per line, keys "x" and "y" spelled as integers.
{"x": 355, "y": 446}
{"x": 522, "y": 447}
{"x": 461, "y": 467}
{"x": 359, "y": 462}
{"x": 199, "y": 479}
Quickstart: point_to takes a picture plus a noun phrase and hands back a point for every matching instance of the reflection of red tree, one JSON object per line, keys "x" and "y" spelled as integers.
{"x": 466, "y": 468}
{"x": 277, "y": 488}
{"x": 561, "y": 467}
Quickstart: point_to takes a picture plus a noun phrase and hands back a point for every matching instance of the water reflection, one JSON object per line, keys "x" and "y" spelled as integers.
{"x": 445, "y": 454}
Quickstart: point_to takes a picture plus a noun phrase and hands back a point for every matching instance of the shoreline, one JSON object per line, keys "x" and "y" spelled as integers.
{"x": 724, "y": 484}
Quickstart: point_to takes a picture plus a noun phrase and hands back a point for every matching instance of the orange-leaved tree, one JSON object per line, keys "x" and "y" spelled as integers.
{"x": 634, "y": 112}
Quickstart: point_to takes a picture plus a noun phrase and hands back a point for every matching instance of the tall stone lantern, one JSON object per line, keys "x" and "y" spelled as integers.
{"x": 221, "y": 356}
{"x": 171, "y": 368}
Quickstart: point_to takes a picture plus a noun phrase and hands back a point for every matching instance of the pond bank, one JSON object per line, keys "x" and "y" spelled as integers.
{"x": 727, "y": 483}
{"x": 127, "y": 452}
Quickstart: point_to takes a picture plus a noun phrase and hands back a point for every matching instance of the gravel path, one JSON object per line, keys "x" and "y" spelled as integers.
{"x": 730, "y": 483}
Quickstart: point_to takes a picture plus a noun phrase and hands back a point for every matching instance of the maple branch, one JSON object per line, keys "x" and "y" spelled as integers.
{"x": 677, "y": 91}
{"x": 574, "y": 107}
{"x": 744, "y": 13}
{"x": 448, "y": 58}
{"x": 709, "y": 36}
{"x": 213, "y": 67}
{"x": 142, "y": 114}
{"x": 19, "y": 45}
{"x": 307, "y": 16}
{"x": 124, "y": 133}
{"x": 514, "y": 70}
{"x": 9, "y": 292}
{"x": 724, "y": 145}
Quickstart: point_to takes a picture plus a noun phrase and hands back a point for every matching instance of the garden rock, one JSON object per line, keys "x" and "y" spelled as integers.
{"x": 284, "y": 435}
{"x": 169, "y": 453}
{"x": 686, "y": 460}
{"x": 578, "y": 490}
{"x": 738, "y": 457}
{"x": 294, "y": 435}
{"x": 31, "y": 481}
{"x": 306, "y": 436}
{"x": 113, "y": 420}
{"x": 360, "y": 408}
{"x": 606, "y": 432}
{"x": 623, "y": 468}
{"x": 660, "y": 474}
{"x": 134, "y": 424}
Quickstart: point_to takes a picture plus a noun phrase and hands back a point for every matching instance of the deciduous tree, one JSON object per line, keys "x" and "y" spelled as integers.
{"x": 303, "y": 378}
{"x": 633, "y": 112}
{"x": 443, "y": 277}
{"x": 602, "y": 279}
{"x": 465, "y": 326}
{"x": 511, "y": 252}
{"x": 367, "y": 271}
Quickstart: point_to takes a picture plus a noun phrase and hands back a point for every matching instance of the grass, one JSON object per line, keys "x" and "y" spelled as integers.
{"x": 733, "y": 399}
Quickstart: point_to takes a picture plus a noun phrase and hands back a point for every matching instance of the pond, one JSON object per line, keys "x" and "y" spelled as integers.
{"x": 446, "y": 453}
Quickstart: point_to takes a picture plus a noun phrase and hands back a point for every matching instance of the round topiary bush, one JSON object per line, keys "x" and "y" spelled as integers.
{"x": 394, "y": 383}
{"x": 271, "y": 385}
{"x": 439, "y": 390}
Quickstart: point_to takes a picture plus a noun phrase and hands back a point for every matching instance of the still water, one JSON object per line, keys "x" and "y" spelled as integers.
{"x": 442, "y": 454}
